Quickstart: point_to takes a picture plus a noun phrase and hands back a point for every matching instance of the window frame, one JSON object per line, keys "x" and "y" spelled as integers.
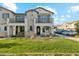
{"x": 19, "y": 18}
{"x": 31, "y": 28}
{"x": 5, "y": 28}
{"x": 43, "y": 18}
{"x": 5, "y": 15}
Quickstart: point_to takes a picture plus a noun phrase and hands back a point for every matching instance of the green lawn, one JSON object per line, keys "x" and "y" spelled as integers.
{"x": 22, "y": 46}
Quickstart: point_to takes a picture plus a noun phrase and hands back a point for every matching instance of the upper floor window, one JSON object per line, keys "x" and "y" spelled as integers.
{"x": 19, "y": 18}
{"x": 43, "y": 18}
{"x": 5, "y": 15}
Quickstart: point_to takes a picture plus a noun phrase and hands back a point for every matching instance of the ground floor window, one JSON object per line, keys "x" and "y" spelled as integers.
{"x": 30, "y": 28}
{"x": 5, "y": 28}
{"x": 43, "y": 30}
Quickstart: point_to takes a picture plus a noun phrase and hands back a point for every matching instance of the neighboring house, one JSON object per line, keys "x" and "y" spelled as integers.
{"x": 36, "y": 21}
{"x": 67, "y": 26}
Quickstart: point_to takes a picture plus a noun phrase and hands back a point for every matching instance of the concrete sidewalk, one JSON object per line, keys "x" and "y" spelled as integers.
{"x": 68, "y": 37}
{"x": 72, "y": 38}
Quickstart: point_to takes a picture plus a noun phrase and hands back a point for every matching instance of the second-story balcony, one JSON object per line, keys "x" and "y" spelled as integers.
{"x": 45, "y": 20}
{"x": 13, "y": 20}
{"x": 49, "y": 22}
{"x": 2, "y": 21}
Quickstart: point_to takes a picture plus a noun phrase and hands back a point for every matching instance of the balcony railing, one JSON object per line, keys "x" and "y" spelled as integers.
{"x": 12, "y": 20}
{"x": 2, "y": 21}
{"x": 50, "y": 20}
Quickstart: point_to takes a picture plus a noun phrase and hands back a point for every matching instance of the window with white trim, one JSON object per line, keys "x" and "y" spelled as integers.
{"x": 43, "y": 18}
{"x": 5, "y": 15}
{"x": 19, "y": 18}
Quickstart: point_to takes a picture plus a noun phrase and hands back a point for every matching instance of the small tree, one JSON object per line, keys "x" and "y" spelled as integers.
{"x": 77, "y": 26}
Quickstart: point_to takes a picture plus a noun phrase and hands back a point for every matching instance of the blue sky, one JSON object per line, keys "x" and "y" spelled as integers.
{"x": 64, "y": 12}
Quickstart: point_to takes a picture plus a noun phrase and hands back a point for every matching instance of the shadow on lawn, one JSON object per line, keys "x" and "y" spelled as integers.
{"x": 8, "y": 45}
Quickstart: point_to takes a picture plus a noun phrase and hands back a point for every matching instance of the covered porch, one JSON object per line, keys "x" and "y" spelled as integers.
{"x": 16, "y": 31}
{"x": 43, "y": 30}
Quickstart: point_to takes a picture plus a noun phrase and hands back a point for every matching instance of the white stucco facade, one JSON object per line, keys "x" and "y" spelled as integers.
{"x": 36, "y": 21}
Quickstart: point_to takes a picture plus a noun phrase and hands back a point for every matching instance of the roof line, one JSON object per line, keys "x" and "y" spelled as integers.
{"x": 28, "y": 10}
{"x": 44, "y": 9}
{"x": 7, "y": 9}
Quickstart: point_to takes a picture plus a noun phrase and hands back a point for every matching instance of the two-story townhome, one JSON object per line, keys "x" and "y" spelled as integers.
{"x": 36, "y": 21}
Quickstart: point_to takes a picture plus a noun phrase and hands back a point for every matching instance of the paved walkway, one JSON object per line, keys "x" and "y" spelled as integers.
{"x": 68, "y": 37}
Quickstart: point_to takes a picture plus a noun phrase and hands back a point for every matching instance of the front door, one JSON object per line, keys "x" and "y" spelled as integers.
{"x": 38, "y": 30}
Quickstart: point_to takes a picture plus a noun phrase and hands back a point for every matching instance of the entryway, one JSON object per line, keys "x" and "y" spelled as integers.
{"x": 38, "y": 30}
{"x": 20, "y": 31}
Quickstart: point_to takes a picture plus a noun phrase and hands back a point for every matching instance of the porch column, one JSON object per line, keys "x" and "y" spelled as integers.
{"x": 41, "y": 29}
{"x": 14, "y": 30}
{"x": 52, "y": 30}
{"x": 35, "y": 26}
{"x": 18, "y": 30}
{"x": 8, "y": 31}
{"x": 45, "y": 31}
{"x": 25, "y": 31}
{"x": 8, "y": 28}
{"x": 35, "y": 29}
{"x": 26, "y": 26}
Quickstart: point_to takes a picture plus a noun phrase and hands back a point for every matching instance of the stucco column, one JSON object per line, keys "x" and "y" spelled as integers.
{"x": 41, "y": 31}
{"x": 35, "y": 26}
{"x": 7, "y": 20}
{"x": 45, "y": 31}
{"x": 14, "y": 30}
{"x": 8, "y": 28}
{"x": 18, "y": 30}
{"x": 1, "y": 15}
{"x": 52, "y": 30}
{"x": 8, "y": 31}
{"x": 25, "y": 31}
{"x": 25, "y": 27}
{"x": 35, "y": 29}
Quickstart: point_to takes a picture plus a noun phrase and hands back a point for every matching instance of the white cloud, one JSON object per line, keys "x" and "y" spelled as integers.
{"x": 68, "y": 16}
{"x": 56, "y": 19}
{"x": 49, "y": 8}
{"x": 69, "y": 11}
{"x": 10, "y": 6}
{"x": 63, "y": 19}
{"x": 73, "y": 9}
{"x": 62, "y": 16}
{"x": 59, "y": 20}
